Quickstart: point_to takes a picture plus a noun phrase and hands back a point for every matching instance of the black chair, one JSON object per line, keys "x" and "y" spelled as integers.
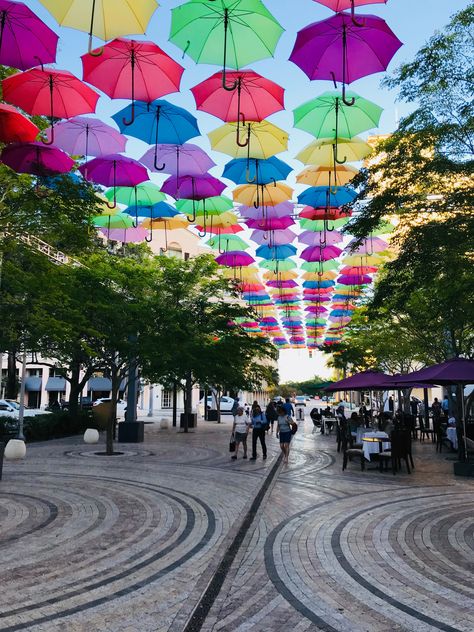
{"x": 400, "y": 451}
{"x": 426, "y": 431}
{"x": 349, "y": 453}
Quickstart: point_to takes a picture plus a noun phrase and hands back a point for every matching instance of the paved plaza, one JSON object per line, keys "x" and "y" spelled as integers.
{"x": 173, "y": 536}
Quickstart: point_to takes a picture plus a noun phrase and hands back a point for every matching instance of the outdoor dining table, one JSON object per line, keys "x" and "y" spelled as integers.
{"x": 371, "y": 443}
{"x": 452, "y": 435}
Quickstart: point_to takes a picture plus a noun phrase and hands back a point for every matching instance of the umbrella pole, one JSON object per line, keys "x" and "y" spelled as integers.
{"x": 136, "y": 205}
{"x": 132, "y": 65}
{"x": 232, "y": 86}
{"x": 51, "y": 109}
{"x": 114, "y": 205}
{"x": 2, "y": 26}
{"x": 336, "y": 159}
{"x": 247, "y": 172}
{"x": 100, "y": 50}
{"x": 240, "y": 115}
{"x": 349, "y": 102}
{"x": 177, "y": 162}
{"x": 158, "y": 111}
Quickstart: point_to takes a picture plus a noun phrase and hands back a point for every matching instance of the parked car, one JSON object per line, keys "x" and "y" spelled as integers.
{"x": 300, "y": 400}
{"x": 84, "y": 403}
{"x": 226, "y": 403}
{"x": 11, "y": 408}
{"x": 121, "y": 405}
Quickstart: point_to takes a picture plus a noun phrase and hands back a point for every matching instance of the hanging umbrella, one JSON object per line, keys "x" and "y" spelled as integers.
{"x": 341, "y": 5}
{"x": 53, "y": 93}
{"x": 264, "y": 140}
{"x": 324, "y": 151}
{"x": 15, "y": 127}
{"x": 108, "y": 221}
{"x": 267, "y": 212}
{"x": 202, "y": 30}
{"x": 254, "y": 98}
{"x": 224, "y": 243}
{"x": 276, "y": 252}
{"x": 36, "y": 158}
{"x": 255, "y": 171}
{"x": 103, "y": 18}
{"x": 128, "y": 69}
{"x": 321, "y": 196}
{"x": 368, "y": 246}
{"x": 235, "y": 259}
{"x": 144, "y": 194}
{"x": 277, "y": 266}
{"x": 216, "y": 204}
{"x": 336, "y": 49}
{"x": 266, "y": 195}
{"x": 87, "y": 136}
{"x": 178, "y": 159}
{"x": 274, "y": 223}
{"x": 327, "y": 176}
{"x": 192, "y": 187}
{"x": 316, "y": 253}
{"x": 273, "y": 237}
{"x": 320, "y": 238}
{"x": 331, "y": 213}
{"x": 161, "y": 209}
{"x": 225, "y": 224}
{"x": 133, "y": 235}
{"x": 361, "y": 279}
{"x": 358, "y": 270}
{"x": 114, "y": 170}
{"x": 24, "y": 38}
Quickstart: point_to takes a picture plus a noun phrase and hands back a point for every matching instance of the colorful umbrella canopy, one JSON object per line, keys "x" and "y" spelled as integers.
{"x": 54, "y": 93}
{"x": 133, "y": 235}
{"x": 264, "y": 140}
{"x": 341, "y": 5}
{"x": 193, "y": 187}
{"x": 36, "y": 158}
{"x": 130, "y": 69}
{"x": 327, "y": 115}
{"x": 331, "y": 213}
{"x": 119, "y": 220}
{"x": 320, "y": 238}
{"x": 114, "y": 170}
{"x": 234, "y": 259}
{"x": 255, "y": 171}
{"x": 270, "y": 212}
{"x": 227, "y": 242}
{"x": 15, "y": 127}
{"x": 368, "y": 246}
{"x": 276, "y": 252}
{"x": 87, "y": 136}
{"x": 273, "y": 237}
{"x": 360, "y": 279}
{"x": 322, "y": 152}
{"x": 160, "y": 209}
{"x": 327, "y": 176}
{"x": 233, "y": 33}
{"x": 272, "y": 223}
{"x": 216, "y": 204}
{"x": 178, "y": 159}
{"x": 24, "y": 38}
{"x": 337, "y": 49}
{"x": 103, "y": 18}
{"x": 165, "y": 223}
{"x": 321, "y": 196}
{"x": 316, "y": 253}
{"x": 266, "y": 195}
{"x": 278, "y": 266}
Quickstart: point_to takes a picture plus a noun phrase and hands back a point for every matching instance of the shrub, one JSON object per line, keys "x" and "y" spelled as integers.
{"x": 56, "y": 425}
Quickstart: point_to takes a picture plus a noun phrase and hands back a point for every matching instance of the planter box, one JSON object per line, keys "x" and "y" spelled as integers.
{"x": 131, "y": 431}
{"x": 192, "y": 420}
{"x": 464, "y": 469}
{"x": 212, "y": 415}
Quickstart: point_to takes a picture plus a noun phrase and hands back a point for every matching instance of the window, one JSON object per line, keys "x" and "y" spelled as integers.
{"x": 175, "y": 250}
{"x": 166, "y": 397}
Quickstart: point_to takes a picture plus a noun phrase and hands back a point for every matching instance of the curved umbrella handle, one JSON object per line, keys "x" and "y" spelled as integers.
{"x": 155, "y": 164}
{"x": 354, "y": 21}
{"x": 336, "y": 159}
{"x": 348, "y": 102}
{"x": 114, "y": 204}
{"x": 247, "y": 172}
{"x": 193, "y": 218}
{"x": 247, "y": 140}
{"x": 51, "y": 141}
{"x": 149, "y": 239}
{"x": 94, "y": 53}
{"x": 202, "y": 235}
{"x": 132, "y": 118}
{"x": 232, "y": 86}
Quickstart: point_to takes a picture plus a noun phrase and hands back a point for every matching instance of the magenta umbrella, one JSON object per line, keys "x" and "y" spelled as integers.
{"x": 36, "y": 158}
{"x": 341, "y": 5}
{"x": 261, "y": 212}
{"x": 131, "y": 235}
{"x": 84, "y": 136}
{"x": 184, "y": 160}
{"x": 273, "y": 237}
{"x": 315, "y": 309}
{"x": 316, "y": 253}
{"x": 25, "y": 40}
{"x": 336, "y": 49}
{"x": 368, "y": 246}
{"x": 351, "y": 279}
{"x": 320, "y": 238}
{"x": 114, "y": 170}
{"x": 273, "y": 223}
{"x": 235, "y": 259}
{"x": 284, "y": 284}
{"x": 193, "y": 187}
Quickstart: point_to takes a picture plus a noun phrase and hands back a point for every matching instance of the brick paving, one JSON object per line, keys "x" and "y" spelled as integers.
{"x": 130, "y": 543}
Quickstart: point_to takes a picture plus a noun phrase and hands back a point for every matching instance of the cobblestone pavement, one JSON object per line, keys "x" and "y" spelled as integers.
{"x": 129, "y": 543}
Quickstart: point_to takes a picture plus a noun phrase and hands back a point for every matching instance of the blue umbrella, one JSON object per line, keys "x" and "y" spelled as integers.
{"x": 256, "y": 171}
{"x": 318, "y": 284}
{"x": 318, "y": 197}
{"x": 161, "y": 209}
{"x": 276, "y": 252}
{"x": 159, "y": 122}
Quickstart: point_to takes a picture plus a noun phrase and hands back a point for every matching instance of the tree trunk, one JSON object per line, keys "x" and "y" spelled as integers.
{"x": 188, "y": 408}
{"x": 110, "y": 431}
{"x": 75, "y": 369}
{"x": 175, "y": 402}
{"x": 12, "y": 384}
{"x": 218, "y": 405}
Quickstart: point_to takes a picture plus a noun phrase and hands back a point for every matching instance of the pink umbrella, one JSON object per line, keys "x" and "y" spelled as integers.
{"x": 267, "y": 212}
{"x": 342, "y": 5}
{"x": 126, "y": 235}
{"x": 315, "y": 309}
{"x": 274, "y": 223}
{"x": 368, "y": 246}
{"x": 185, "y": 160}
{"x": 320, "y": 238}
{"x": 315, "y": 253}
{"x": 193, "y": 187}
{"x": 84, "y": 136}
{"x": 36, "y": 158}
{"x": 114, "y": 170}
{"x": 235, "y": 259}
{"x": 130, "y": 69}
{"x": 273, "y": 237}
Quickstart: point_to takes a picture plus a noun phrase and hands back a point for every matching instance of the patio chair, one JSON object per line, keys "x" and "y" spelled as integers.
{"x": 350, "y": 453}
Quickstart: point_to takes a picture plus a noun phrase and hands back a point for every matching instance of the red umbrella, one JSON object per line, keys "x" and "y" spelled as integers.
{"x": 14, "y": 127}
{"x": 53, "y": 93}
{"x": 130, "y": 69}
{"x": 341, "y": 5}
{"x": 36, "y": 158}
{"x": 254, "y": 99}
{"x": 331, "y": 213}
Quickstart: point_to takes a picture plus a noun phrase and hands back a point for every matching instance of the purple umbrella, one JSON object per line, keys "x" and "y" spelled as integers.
{"x": 316, "y": 253}
{"x": 273, "y": 237}
{"x": 235, "y": 259}
{"x": 284, "y": 284}
{"x": 36, "y": 158}
{"x": 454, "y": 371}
{"x": 351, "y": 279}
{"x": 320, "y": 238}
{"x": 184, "y": 160}
{"x": 339, "y": 50}
{"x": 25, "y": 40}
{"x": 84, "y": 136}
{"x": 125, "y": 235}
{"x": 267, "y": 212}
{"x": 275, "y": 223}
{"x": 193, "y": 187}
{"x": 366, "y": 380}
{"x": 114, "y": 170}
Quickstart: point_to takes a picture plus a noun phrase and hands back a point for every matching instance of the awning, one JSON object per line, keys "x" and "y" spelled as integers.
{"x": 99, "y": 384}
{"x": 33, "y": 383}
{"x": 56, "y": 384}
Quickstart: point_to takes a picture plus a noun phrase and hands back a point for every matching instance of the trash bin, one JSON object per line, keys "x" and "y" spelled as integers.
{"x": 300, "y": 413}
{"x": 212, "y": 415}
{"x": 192, "y": 420}
{"x": 2, "y": 450}
{"x": 101, "y": 414}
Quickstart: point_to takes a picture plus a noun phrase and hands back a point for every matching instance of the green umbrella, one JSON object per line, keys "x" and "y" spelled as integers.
{"x": 278, "y": 266}
{"x": 225, "y": 243}
{"x": 233, "y": 33}
{"x": 120, "y": 220}
{"x": 322, "y": 224}
{"x": 319, "y": 266}
{"x": 144, "y": 194}
{"x": 383, "y": 229}
{"x": 326, "y": 116}
{"x": 211, "y": 205}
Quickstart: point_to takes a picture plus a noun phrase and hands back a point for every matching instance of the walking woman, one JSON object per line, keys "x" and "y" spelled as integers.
{"x": 259, "y": 427}
{"x": 284, "y": 431}
{"x": 240, "y": 430}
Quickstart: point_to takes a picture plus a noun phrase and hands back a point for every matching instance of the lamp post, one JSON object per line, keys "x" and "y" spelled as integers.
{"x": 21, "y": 412}
{"x": 150, "y": 401}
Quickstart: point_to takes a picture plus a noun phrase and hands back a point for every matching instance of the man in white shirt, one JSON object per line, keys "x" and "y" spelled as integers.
{"x": 240, "y": 430}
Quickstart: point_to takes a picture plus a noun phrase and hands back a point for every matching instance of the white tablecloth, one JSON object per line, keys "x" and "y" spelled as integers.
{"x": 452, "y": 436}
{"x": 369, "y": 446}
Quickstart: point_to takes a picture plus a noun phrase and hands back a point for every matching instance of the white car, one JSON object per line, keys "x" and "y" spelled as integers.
{"x": 121, "y": 405}
{"x": 225, "y": 402}
{"x": 10, "y": 408}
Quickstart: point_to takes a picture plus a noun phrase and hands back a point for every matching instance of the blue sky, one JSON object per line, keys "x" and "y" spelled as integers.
{"x": 413, "y": 21}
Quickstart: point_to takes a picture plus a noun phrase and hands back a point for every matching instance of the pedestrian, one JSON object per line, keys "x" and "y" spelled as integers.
{"x": 414, "y": 407}
{"x": 436, "y": 410}
{"x": 235, "y": 405}
{"x": 284, "y": 431}
{"x": 289, "y": 410}
{"x": 247, "y": 409}
{"x": 240, "y": 430}
{"x": 259, "y": 427}
{"x": 390, "y": 404}
{"x": 445, "y": 406}
{"x": 271, "y": 415}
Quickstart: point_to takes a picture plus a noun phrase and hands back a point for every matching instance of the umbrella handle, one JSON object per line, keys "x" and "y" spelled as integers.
{"x": 247, "y": 172}
{"x": 149, "y": 239}
{"x": 349, "y": 102}
{"x": 336, "y": 159}
{"x": 51, "y": 141}
{"x": 247, "y": 140}
{"x": 94, "y": 53}
{"x": 159, "y": 168}
{"x": 354, "y": 21}
{"x": 132, "y": 118}
{"x": 202, "y": 235}
{"x": 114, "y": 205}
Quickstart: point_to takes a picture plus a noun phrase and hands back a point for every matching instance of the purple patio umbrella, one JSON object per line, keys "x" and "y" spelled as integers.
{"x": 320, "y": 238}
{"x": 114, "y": 170}
{"x": 193, "y": 187}
{"x": 316, "y": 253}
{"x": 179, "y": 160}
{"x": 273, "y": 237}
{"x": 267, "y": 212}
{"x": 84, "y": 136}
{"x": 336, "y": 49}
{"x": 235, "y": 259}
{"x": 36, "y": 158}
{"x": 131, "y": 235}
{"x": 366, "y": 380}
{"x": 25, "y": 40}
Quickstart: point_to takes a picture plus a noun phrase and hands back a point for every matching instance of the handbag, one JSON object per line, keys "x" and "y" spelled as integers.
{"x": 294, "y": 427}
{"x": 232, "y": 444}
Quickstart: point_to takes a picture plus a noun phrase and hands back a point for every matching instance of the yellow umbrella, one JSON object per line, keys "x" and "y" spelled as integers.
{"x": 262, "y": 195}
{"x": 326, "y": 176}
{"x": 264, "y": 140}
{"x": 105, "y": 19}
{"x": 363, "y": 260}
{"x": 330, "y": 275}
{"x": 246, "y": 273}
{"x": 321, "y": 152}
{"x": 288, "y": 275}
{"x": 224, "y": 220}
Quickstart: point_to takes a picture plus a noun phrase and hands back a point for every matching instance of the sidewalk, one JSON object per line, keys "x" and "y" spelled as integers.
{"x": 130, "y": 542}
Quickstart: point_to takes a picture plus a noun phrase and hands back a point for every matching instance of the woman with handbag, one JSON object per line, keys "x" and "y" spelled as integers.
{"x": 240, "y": 430}
{"x": 284, "y": 431}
